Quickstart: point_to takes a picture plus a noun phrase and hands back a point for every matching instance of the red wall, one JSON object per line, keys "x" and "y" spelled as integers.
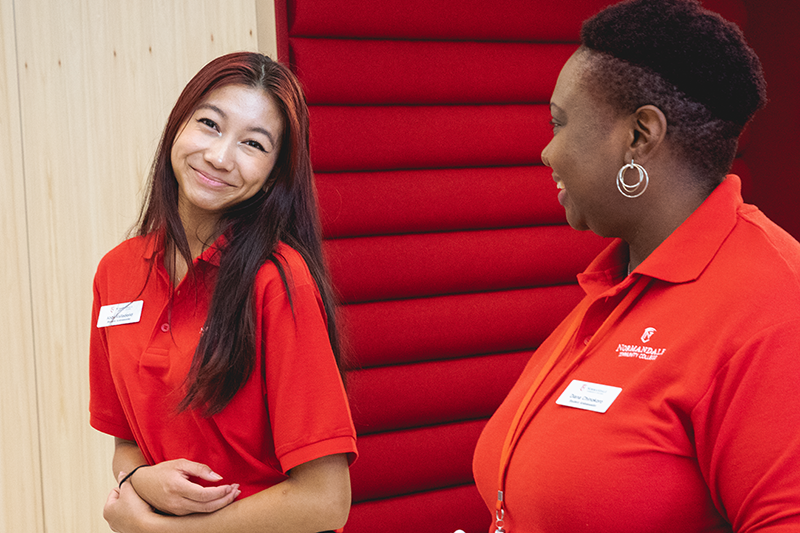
{"x": 773, "y": 151}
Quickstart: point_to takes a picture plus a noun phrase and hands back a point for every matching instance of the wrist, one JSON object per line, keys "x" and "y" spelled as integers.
{"x": 129, "y": 475}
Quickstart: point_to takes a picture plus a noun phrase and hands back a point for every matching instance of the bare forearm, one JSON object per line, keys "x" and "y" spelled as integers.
{"x": 311, "y": 500}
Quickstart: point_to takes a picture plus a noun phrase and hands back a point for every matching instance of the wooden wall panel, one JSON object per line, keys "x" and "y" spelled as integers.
{"x": 85, "y": 88}
{"x": 20, "y": 475}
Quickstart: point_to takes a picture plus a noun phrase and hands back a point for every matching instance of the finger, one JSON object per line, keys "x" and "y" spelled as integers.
{"x": 199, "y": 470}
{"x": 186, "y": 506}
{"x": 216, "y": 505}
{"x": 112, "y": 499}
{"x": 203, "y": 495}
{"x": 113, "y": 496}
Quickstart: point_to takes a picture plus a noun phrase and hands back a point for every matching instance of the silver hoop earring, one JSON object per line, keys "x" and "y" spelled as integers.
{"x": 627, "y": 190}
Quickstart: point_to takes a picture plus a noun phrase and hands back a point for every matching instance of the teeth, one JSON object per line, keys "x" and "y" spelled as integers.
{"x": 560, "y": 184}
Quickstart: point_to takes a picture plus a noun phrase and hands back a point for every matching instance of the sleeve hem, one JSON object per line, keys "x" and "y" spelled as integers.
{"x": 110, "y": 428}
{"x": 333, "y": 446}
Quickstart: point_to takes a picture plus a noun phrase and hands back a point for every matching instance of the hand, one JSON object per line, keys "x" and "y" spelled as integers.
{"x": 123, "y": 507}
{"x": 166, "y": 487}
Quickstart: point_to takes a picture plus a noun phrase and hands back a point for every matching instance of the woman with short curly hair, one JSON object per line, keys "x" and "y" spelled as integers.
{"x": 665, "y": 400}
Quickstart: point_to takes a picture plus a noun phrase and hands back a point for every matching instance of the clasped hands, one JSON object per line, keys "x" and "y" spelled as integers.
{"x": 166, "y": 487}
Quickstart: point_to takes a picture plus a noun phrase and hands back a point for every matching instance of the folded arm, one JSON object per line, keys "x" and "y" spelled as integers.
{"x": 166, "y": 486}
{"x": 315, "y": 497}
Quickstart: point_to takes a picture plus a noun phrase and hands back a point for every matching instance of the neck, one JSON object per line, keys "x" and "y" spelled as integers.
{"x": 200, "y": 233}
{"x": 659, "y": 217}
{"x": 649, "y": 235}
{"x": 201, "y": 229}
{"x": 201, "y": 238}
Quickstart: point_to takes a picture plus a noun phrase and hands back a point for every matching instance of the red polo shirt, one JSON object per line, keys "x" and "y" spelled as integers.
{"x": 291, "y": 410}
{"x": 706, "y": 429}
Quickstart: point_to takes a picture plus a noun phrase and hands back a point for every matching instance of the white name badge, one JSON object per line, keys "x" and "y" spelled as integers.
{"x": 118, "y": 314}
{"x": 588, "y": 396}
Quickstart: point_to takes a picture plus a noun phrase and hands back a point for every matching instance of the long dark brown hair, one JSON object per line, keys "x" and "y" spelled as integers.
{"x": 285, "y": 212}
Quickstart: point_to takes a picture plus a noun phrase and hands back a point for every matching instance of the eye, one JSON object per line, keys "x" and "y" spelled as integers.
{"x": 554, "y": 124}
{"x": 209, "y": 123}
{"x": 255, "y": 144}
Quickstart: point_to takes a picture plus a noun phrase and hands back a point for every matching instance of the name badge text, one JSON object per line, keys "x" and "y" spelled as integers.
{"x": 588, "y": 396}
{"x": 118, "y": 314}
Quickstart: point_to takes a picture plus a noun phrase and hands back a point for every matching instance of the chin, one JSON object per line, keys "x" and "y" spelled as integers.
{"x": 576, "y": 224}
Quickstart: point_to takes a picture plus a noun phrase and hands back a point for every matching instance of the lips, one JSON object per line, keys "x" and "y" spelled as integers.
{"x": 562, "y": 191}
{"x": 209, "y": 180}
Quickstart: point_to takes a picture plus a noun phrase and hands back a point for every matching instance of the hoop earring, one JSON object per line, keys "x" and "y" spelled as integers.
{"x": 627, "y": 190}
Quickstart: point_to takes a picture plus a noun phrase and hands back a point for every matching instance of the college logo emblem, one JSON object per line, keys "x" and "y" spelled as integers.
{"x": 639, "y": 351}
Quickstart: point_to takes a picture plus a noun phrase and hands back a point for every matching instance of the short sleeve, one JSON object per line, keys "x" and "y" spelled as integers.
{"x": 105, "y": 409}
{"x": 747, "y": 431}
{"x": 307, "y": 404}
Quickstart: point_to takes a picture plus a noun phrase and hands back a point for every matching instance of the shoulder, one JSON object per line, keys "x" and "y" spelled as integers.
{"x": 291, "y": 258}
{"x": 287, "y": 268}
{"x": 753, "y": 282}
{"x": 763, "y": 255}
{"x": 771, "y": 238}
{"x": 122, "y": 272}
{"x": 127, "y": 255}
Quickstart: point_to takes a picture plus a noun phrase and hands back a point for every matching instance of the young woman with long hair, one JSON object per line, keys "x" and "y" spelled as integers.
{"x": 214, "y": 348}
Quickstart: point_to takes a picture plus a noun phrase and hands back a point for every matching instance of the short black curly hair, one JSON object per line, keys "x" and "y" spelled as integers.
{"x": 689, "y": 62}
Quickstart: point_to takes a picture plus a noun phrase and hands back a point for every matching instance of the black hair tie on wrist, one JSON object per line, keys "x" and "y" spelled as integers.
{"x": 130, "y": 474}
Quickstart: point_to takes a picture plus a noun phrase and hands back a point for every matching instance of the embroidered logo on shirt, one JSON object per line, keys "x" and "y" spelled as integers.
{"x": 648, "y": 332}
{"x": 647, "y": 353}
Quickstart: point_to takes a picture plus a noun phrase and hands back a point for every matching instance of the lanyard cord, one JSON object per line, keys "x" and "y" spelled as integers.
{"x": 517, "y": 426}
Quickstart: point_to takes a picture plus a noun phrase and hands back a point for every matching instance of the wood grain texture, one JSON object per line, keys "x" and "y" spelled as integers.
{"x": 20, "y": 472}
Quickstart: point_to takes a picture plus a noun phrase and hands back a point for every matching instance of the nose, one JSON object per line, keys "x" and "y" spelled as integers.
{"x": 544, "y": 157}
{"x": 220, "y": 153}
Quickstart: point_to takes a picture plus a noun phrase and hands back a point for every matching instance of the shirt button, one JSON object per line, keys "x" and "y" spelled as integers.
{"x": 165, "y": 327}
{"x": 587, "y": 340}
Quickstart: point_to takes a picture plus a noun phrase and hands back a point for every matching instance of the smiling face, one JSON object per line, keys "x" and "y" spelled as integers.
{"x": 226, "y": 150}
{"x": 588, "y": 147}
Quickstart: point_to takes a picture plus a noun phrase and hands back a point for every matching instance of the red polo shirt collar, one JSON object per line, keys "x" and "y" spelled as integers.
{"x": 683, "y": 256}
{"x": 211, "y": 255}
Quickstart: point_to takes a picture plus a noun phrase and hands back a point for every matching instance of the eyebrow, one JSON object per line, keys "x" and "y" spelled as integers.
{"x": 553, "y": 105}
{"x": 256, "y": 129}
